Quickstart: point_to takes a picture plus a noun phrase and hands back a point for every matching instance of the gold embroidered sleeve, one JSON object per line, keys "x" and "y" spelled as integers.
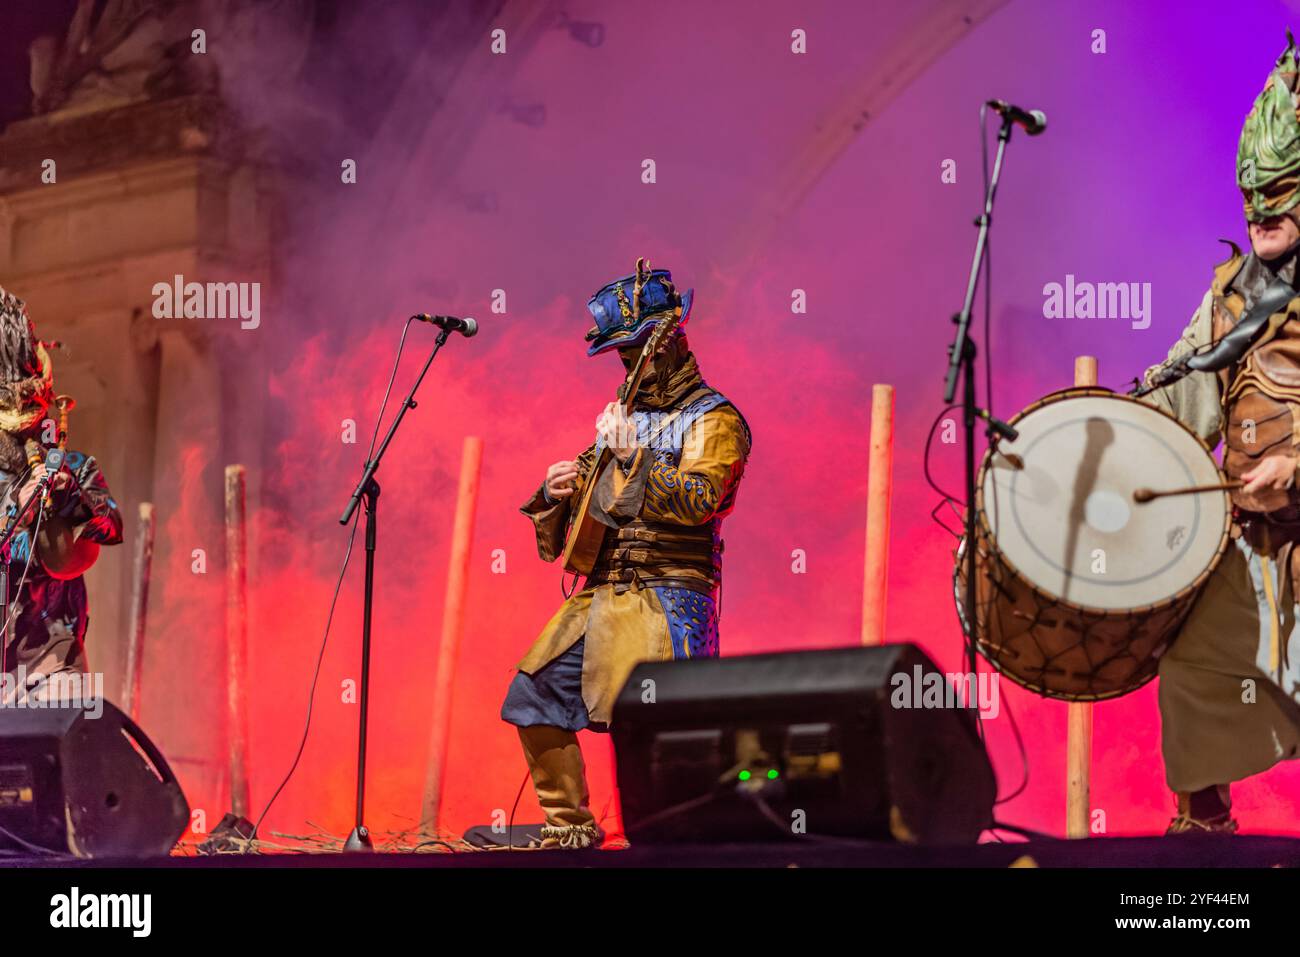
{"x": 714, "y": 450}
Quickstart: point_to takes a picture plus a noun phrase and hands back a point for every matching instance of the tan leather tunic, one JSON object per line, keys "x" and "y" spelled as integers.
{"x": 1261, "y": 396}
{"x": 665, "y": 511}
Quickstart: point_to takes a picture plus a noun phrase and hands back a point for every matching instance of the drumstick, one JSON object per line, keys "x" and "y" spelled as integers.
{"x": 1146, "y": 494}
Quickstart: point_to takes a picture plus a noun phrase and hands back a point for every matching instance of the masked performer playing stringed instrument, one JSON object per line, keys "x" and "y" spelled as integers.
{"x": 640, "y": 514}
{"x": 59, "y": 535}
{"x": 1230, "y": 684}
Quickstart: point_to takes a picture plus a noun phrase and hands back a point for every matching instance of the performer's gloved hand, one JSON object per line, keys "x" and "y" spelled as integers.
{"x": 618, "y": 431}
{"x": 560, "y": 481}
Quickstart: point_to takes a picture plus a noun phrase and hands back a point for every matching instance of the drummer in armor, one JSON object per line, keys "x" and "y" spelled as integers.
{"x": 1230, "y": 684}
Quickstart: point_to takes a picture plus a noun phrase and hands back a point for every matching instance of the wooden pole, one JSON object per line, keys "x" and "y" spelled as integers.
{"x": 880, "y": 484}
{"x": 141, "y": 569}
{"x": 1078, "y": 746}
{"x": 237, "y": 639}
{"x": 453, "y": 619}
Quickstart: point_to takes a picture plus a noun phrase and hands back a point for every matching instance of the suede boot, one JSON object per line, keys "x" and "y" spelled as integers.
{"x": 1207, "y": 811}
{"x": 560, "y": 779}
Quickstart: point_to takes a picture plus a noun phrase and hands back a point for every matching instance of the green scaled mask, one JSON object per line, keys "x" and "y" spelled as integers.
{"x": 1268, "y": 157}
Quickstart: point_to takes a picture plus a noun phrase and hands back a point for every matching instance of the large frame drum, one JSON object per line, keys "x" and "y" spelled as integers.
{"x": 1079, "y": 588}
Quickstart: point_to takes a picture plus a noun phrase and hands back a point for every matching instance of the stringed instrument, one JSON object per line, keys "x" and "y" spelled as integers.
{"x": 586, "y": 532}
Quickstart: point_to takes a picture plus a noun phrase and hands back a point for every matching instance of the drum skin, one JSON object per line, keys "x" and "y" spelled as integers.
{"x": 1079, "y": 589}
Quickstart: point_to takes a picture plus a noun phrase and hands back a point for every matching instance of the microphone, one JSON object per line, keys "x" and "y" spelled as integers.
{"x": 1032, "y": 121}
{"x": 466, "y": 327}
{"x": 54, "y": 462}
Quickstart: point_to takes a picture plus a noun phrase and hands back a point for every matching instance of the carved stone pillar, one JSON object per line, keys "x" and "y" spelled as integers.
{"x": 143, "y": 193}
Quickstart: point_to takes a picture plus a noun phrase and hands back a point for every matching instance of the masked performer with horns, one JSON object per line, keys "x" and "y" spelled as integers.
{"x": 652, "y": 593}
{"x": 1230, "y": 684}
{"x": 59, "y": 536}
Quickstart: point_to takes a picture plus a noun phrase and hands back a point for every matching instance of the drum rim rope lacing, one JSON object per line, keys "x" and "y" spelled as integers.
{"x": 1090, "y": 615}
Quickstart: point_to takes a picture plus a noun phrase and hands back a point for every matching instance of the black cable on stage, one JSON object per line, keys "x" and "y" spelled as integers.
{"x": 510, "y": 825}
{"x": 34, "y": 848}
{"x": 1024, "y": 832}
{"x": 338, "y": 585}
{"x": 1024, "y": 757}
{"x": 988, "y": 270}
{"x": 970, "y": 651}
{"x": 31, "y": 551}
{"x": 925, "y": 460}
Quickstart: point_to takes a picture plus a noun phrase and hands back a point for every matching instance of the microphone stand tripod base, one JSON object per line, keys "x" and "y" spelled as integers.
{"x": 359, "y": 841}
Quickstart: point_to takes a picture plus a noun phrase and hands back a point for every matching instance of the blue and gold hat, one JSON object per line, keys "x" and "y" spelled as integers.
{"x": 628, "y": 309}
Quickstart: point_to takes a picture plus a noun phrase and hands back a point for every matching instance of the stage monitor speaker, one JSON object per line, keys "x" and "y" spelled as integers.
{"x": 86, "y": 780}
{"x": 837, "y": 742}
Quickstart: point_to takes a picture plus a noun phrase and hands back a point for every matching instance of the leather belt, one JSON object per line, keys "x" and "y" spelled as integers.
{"x": 1280, "y": 525}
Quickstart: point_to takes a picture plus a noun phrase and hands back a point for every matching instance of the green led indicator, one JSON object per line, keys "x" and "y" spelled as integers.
{"x": 744, "y": 775}
{"x": 772, "y": 775}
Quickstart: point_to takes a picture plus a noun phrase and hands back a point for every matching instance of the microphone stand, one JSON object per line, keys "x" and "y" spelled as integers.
{"x": 961, "y": 364}
{"x": 368, "y": 489}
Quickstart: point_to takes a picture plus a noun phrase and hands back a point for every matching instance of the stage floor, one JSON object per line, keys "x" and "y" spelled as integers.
{"x": 1200, "y": 851}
